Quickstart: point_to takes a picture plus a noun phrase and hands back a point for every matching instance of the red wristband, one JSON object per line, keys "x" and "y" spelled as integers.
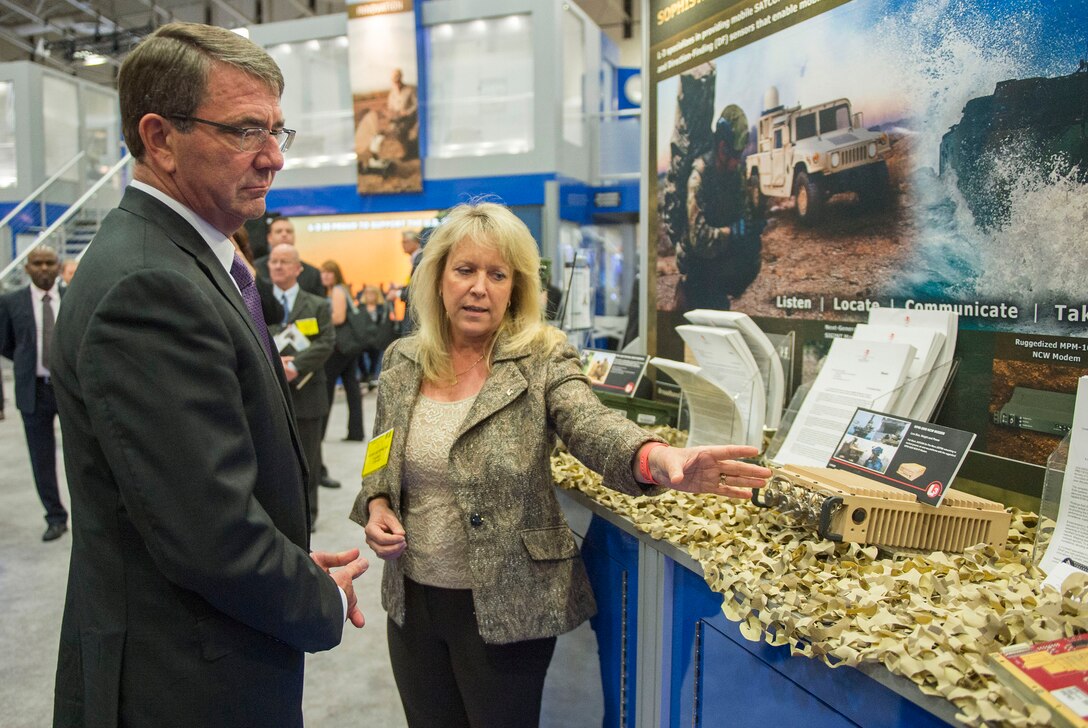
{"x": 644, "y": 461}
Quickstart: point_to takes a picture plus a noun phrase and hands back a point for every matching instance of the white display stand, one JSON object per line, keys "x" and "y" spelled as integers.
{"x": 715, "y": 418}
{"x": 766, "y": 351}
{"x": 725, "y": 359}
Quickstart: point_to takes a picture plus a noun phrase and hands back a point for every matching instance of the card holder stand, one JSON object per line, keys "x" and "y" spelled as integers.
{"x": 1051, "y": 498}
{"x": 784, "y": 346}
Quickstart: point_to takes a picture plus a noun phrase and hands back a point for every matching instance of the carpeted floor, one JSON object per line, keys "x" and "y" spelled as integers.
{"x": 350, "y": 685}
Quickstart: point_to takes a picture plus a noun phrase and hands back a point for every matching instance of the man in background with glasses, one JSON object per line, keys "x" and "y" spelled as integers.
{"x": 192, "y": 594}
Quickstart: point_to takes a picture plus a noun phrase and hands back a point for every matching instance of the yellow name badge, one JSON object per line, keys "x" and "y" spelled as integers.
{"x": 307, "y": 326}
{"x": 377, "y": 452}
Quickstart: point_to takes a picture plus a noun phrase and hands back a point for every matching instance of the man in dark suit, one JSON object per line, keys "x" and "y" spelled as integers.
{"x": 304, "y": 365}
{"x": 27, "y": 317}
{"x": 192, "y": 595}
{"x": 410, "y": 244}
{"x": 281, "y": 231}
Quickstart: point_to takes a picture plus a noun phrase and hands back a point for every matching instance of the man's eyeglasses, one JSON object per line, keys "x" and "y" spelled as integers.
{"x": 250, "y": 138}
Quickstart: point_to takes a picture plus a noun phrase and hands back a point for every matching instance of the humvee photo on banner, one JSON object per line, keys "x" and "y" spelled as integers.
{"x": 815, "y": 152}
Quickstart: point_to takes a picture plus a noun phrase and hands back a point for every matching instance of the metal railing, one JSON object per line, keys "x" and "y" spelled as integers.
{"x": 22, "y": 218}
{"x": 71, "y": 233}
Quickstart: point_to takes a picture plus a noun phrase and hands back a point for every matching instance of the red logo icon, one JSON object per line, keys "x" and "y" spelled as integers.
{"x": 934, "y": 489}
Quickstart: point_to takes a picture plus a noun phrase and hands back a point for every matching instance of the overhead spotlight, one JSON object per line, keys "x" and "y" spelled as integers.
{"x": 93, "y": 59}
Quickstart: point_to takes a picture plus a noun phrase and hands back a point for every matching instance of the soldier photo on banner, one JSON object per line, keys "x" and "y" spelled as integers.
{"x": 385, "y": 96}
{"x": 931, "y": 159}
{"x": 712, "y": 227}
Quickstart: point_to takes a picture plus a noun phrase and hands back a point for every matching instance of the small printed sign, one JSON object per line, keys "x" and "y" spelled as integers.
{"x": 917, "y": 457}
{"x": 613, "y": 372}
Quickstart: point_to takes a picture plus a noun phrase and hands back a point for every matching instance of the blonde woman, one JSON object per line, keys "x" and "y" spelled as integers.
{"x": 481, "y": 571}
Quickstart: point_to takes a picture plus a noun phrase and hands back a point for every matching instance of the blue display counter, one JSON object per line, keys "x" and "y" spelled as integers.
{"x": 669, "y": 657}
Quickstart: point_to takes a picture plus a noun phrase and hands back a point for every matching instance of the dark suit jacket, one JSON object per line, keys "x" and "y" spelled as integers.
{"x": 309, "y": 279}
{"x": 191, "y": 595}
{"x": 270, "y": 307}
{"x": 19, "y": 342}
{"x": 312, "y": 398}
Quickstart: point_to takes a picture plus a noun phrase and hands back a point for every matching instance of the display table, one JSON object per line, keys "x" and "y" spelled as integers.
{"x": 674, "y": 652}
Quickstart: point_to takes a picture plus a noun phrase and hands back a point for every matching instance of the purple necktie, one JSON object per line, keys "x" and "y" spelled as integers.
{"x": 241, "y": 275}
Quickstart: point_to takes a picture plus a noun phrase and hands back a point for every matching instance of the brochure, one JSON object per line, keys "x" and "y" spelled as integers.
{"x": 927, "y": 345}
{"x": 855, "y": 374}
{"x": 714, "y": 416}
{"x": 946, "y": 322}
{"x": 724, "y": 358}
{"x": 291, "y": 340}
{"x": 763, "y": 351}
{"x": 916, "y": 457}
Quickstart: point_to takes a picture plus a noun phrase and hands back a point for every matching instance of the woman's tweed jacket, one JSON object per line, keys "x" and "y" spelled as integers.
{"x": 527, "y": 575}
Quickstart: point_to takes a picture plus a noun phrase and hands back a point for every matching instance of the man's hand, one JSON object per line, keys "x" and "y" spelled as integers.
{"x": 351, "y": 566}
{"x": 384, "y": 534}
{"x": 289, "y": 368}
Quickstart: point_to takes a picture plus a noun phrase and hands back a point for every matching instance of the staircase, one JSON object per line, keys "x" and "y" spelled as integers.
{"x": 67, "y": 229}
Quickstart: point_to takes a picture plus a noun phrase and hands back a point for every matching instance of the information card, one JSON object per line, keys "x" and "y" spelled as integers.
{"x": 918, "y": 457}
{"x": 611, "y": 371}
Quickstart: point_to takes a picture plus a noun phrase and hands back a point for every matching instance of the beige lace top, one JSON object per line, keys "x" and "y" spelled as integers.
{"x": 437, "y": 552}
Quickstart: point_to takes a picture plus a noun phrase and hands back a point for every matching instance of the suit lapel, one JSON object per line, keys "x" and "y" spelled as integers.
{"x": 26, "y": 305}
{"x": 503, "y": 386}
{"x": 188, "y": 239}
{"x": 297, "y": 309}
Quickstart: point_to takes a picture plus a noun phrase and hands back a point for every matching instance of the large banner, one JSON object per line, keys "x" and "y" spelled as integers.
{"x": 817, "y": 158}
{"x": 385, "y": 95}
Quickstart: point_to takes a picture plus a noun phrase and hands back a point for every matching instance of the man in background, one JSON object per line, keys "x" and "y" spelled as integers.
{"x": 309, "y": 317}
{"x": 67, "y": 270}
{"x": 402, "y": 107}
{"x": 281, "y": 231}
{"x": 192, "y": 593}
{"x": 409, "y": 243}
{"x": 27, "y": 317}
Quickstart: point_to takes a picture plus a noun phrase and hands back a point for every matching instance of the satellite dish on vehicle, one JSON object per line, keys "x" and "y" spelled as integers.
{"x": 770, "y": 99}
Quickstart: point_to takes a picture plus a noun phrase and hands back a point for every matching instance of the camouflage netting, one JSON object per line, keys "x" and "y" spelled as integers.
{"x": 932, "y": 618}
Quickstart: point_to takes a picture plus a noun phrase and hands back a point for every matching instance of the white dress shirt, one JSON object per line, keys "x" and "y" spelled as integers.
{"x": 222, "y": 246}
{"x": 287, "y": 298}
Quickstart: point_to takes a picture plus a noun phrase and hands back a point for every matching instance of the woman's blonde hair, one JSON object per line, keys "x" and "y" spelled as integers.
{"x": 379, "y": 297}
{"x": 491, "y": 225}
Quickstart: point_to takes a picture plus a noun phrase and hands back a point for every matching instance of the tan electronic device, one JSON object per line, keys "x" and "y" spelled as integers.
{"x": 911, "y": 471}
{"x": 844, "y": 506}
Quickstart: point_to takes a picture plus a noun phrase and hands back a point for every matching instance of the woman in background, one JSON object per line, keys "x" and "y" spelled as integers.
{"x": 379, "y": 328}
{"x": 481, "y": 570}
{"x": 342, "y": 364}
